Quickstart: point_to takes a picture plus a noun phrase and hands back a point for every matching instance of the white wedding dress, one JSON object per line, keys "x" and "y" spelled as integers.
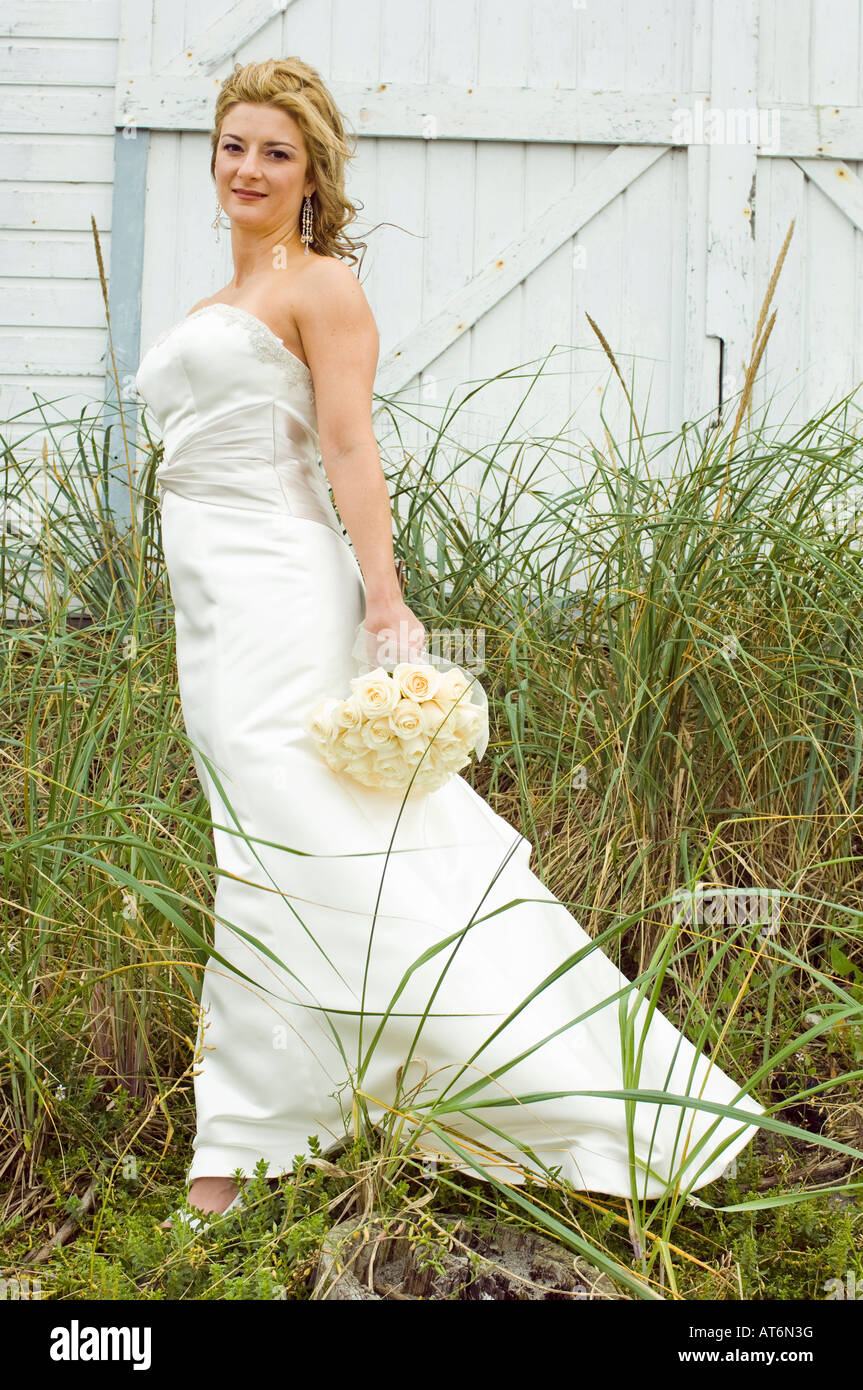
{"x": 268, "y": 597}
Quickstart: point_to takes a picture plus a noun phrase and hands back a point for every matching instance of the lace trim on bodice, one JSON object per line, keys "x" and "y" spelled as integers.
{"x": 268, "y": 347}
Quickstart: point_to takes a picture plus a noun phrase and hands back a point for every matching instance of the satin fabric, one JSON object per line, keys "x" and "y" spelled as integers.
{"x": 328, "y": 892}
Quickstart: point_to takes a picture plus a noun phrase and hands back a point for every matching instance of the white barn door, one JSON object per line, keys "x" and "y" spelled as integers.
{"x": 530, "y": 164}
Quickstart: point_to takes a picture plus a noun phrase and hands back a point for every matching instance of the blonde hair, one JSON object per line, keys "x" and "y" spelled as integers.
{"x": 291, "y": 85}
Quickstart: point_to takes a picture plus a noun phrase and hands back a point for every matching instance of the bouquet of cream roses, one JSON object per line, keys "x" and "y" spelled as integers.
{"x": 413, "y": 726}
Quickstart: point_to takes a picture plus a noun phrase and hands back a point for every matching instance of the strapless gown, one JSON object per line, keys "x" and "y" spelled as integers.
{"x": 326, "y": 898}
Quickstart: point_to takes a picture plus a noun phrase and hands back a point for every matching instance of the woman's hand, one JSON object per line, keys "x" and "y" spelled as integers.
{"x": 396, "y": 633}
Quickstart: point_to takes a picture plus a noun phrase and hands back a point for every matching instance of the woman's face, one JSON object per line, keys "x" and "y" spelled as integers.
{"x": 261, "y": 149}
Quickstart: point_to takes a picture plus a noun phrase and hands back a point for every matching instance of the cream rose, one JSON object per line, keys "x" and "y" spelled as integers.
{"x": 417, "y": 680}
{"x": 375, "y": 693}
{"x": 447, "y": 732}
{"x": 433, "y": 715}
{"x": 363, "y": 762}
{"x": 352, "y": 739}
{"x": 390, "y": 771}
{"x": 412, "y": 751}
{"x": 347, "y": 715}
{"x": 406, "y": 719}
{"x": 377, "y": 733}
{"x": 435, "y": 780}
{"x": 453, "y": 684}
{"x": 320, "y": 722}
{"x": 468, "y": 721}
{"x": 337, "y": 757}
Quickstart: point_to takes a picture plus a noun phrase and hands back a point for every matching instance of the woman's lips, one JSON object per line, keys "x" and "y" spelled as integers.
{"x": 247, "y": 193}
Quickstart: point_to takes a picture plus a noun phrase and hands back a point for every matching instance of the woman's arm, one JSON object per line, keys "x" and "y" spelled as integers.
{"x": 341, "y": 344}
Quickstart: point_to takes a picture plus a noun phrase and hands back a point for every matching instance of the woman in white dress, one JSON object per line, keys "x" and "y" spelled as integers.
{"x": 263, "y": 393}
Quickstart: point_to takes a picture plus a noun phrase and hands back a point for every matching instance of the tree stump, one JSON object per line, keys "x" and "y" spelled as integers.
{"x": 393, "y": 1259}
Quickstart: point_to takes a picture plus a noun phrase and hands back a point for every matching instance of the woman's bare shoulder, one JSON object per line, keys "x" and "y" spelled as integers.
{"x": 330, "y": 276}
{"x": 330, "y": 290}
{"x": 202, "y": 304}
{"x": 333, "y": 317}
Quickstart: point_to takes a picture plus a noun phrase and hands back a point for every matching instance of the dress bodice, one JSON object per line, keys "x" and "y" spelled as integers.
{"x": 236, "y": 410}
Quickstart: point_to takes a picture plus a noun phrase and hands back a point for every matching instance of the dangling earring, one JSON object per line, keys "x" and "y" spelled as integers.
{"x": 306, "y": 227}
{"x": 217, "y": 222}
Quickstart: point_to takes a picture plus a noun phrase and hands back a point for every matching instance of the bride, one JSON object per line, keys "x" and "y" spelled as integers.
{"x": 331, "y": 895}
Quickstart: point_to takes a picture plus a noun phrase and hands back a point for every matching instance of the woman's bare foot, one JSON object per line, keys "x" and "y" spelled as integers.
{"x": 210, "y": 1194}
{"x": 215, "y": 1194}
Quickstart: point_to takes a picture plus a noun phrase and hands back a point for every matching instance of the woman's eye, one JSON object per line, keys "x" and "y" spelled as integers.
{"x": 282, "y": 154}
